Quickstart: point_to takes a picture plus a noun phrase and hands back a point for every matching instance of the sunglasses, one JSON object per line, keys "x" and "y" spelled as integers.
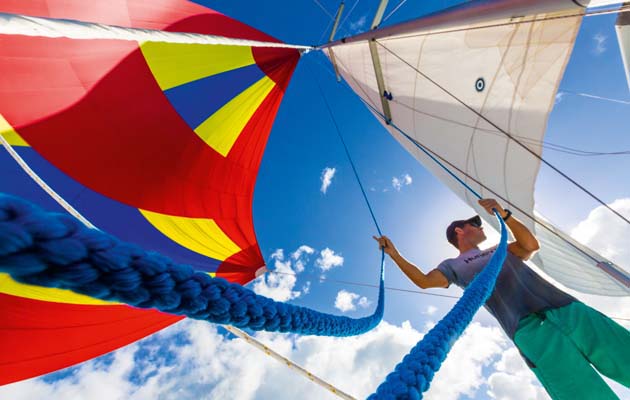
{"x": 475, "y": 224}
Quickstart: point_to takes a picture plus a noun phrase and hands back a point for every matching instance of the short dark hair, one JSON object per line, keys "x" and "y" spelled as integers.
{"x": 451, "y": 235}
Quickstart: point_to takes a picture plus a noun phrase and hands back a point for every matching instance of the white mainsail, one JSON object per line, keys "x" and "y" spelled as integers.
{"x": 623, "y": 36}
{"x": 474, "y": 85}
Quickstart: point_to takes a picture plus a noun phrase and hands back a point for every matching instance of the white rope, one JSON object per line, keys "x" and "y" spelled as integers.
{"x": 15, "y": 24}
{"x": 288, "y": 363}
{"x": 60, "y": 200}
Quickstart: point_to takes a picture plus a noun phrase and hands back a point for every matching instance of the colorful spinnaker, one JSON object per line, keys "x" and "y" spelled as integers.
{"x": 457, "y": 82}
{"x": 157, "y": 143}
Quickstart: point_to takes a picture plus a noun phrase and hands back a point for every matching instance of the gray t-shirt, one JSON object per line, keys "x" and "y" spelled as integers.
{"x": 519, "y": 291}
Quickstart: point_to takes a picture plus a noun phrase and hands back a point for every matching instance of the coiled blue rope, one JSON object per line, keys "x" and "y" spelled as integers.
{"x": 56, "y": 250}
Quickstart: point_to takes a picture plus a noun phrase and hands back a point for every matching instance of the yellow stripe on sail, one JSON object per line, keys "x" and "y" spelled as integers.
{"x": 174, "y": 64}
{"x": 11, "y": 287}
{"x": 200, "y": 235}
{"x": 10, "y": 135}
{"x": 14, "y": 288}
{"x": 222, "y": 128}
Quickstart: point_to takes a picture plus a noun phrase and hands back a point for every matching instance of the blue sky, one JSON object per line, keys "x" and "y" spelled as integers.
{"x": 291, "y": 211}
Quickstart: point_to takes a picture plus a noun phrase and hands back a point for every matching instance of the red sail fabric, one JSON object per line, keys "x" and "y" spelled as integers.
{"x": 96, "y": 120}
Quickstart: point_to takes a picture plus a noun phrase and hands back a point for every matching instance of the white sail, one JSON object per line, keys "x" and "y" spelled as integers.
{"x": 470, "y": 84}
{"x": 623, "y": 37}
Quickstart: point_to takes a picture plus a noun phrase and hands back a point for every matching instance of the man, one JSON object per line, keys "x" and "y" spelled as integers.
{"x": 560, "y": 338}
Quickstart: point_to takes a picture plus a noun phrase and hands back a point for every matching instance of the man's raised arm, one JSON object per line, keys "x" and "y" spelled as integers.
{"x": 433, "y": 279}
{"x": 525, "y": 243}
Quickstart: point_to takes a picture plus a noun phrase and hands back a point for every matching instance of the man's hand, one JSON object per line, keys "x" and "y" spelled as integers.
{"x": 489, "y": 204}
{"x": 526, "y": 243}
{"x": 384, "y": 243}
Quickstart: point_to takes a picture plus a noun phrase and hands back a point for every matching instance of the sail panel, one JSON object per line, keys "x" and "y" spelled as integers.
{"x": 145, "y": 141}
{"x": 478, "y": 94}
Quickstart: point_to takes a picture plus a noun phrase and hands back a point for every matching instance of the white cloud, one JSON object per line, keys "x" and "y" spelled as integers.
{"x": 328, "y": 259}
{"x": 206, "y": 364}
{"x": 513, "y": 380}
{"x": 278, "y": 284}
{"x": 327, "y": 176}
{"x": 430, "y": 310}
{"x": 301, "y": 256}
{"x": 303, "y": 249}
{"x": 600, "y": 43}
{"x": 193, "y": 360}
{"x": 607, "y": 233}
{"x": 463, "y": 371}
{"x": 403, "y": 180}
{"x": 559, "y": 97}
{"x": 358, "y": 24}
{"x": 345, "y": 301}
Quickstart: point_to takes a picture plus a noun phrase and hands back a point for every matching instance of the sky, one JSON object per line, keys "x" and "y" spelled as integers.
{"x": 311, "y": 221}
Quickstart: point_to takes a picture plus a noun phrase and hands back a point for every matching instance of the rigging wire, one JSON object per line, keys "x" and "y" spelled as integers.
{"x": 323, "y": 9}
{"x": 400, "y": 4}
{"x": 535, "y": 142}
{"x": 323, "y": 35}
{"x": 348, "y": 16}
{"x": 345, "y": 147}
{"x": 391, "y": 289}
{"x": 527, "y": 149}
{"x": 331, "y": 19}
{"x": 592, "y": 96}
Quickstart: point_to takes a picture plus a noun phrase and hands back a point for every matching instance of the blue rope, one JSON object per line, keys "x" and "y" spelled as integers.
{"x": 412, "y": 376}
{"x": 345, "y": 148}
{"x": 414, "y": 373}
{"x": 56, "y": 250}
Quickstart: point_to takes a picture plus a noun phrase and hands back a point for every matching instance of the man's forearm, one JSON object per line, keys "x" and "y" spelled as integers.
{"x": 522, "y": 235}
{"x": 412, "y": 272}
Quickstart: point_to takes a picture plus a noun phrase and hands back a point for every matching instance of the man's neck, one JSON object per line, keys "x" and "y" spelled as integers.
{"x": 466, "y": 247}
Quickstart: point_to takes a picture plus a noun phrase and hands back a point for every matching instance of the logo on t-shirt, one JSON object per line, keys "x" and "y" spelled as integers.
{"x": 479, "y": 255}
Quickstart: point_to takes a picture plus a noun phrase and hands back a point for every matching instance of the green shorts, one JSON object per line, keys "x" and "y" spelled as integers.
{"x": 565, "y": 345}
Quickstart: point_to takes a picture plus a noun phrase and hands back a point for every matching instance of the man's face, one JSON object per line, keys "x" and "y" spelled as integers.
{"x": 472, "y": 235}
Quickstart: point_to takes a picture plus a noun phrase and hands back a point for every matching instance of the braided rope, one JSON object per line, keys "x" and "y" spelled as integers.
{"x": 56, "y": 250}
{"x": 414, "y": 373}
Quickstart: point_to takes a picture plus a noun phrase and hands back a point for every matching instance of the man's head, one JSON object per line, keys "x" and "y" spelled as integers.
{"x": 466, "y": 231}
